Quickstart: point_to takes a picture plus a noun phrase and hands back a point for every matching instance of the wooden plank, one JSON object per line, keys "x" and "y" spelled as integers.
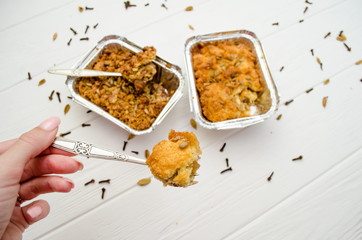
{"x": 230, "y": 201}
{"x": 329, "y": 208}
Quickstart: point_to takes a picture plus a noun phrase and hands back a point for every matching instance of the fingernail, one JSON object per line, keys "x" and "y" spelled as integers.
{"x": 34, "y": 211}
{"x": 50, "y": 124}
{"x": 69, "y": 181}
{"x": 80, "y": 167}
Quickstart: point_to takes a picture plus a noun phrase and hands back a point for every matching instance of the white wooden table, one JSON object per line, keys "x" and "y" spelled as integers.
{"x": 318, "y": 197}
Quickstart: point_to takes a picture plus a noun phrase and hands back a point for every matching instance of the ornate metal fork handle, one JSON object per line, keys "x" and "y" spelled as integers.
{"x": 89, "y": 150}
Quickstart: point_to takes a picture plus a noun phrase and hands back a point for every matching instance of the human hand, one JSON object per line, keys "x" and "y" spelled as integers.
{"x": 24, "y": 167}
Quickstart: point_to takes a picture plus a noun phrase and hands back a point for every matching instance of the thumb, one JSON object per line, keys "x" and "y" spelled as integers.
{"x": 29, "y": 145}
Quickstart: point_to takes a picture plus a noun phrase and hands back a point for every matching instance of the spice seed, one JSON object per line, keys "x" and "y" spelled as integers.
{"x": 69, "y": 42}
{"x": 298, "y": 158}
{"x": 95, "y": 26}
{"x": 327, "y": 35}
{"x": 279, "y": 117}
{"x": 86, "y": 29}
{"x": 225, "y": 170}
{"x": 86, "y": 125}
{"x": 105, "y": 181}
{"x": 270, "y": 177}
{"x": 130, "y": 136}
{"x": 191, "y": 27}
{"x": 275, "y": 24}
{"x": 87, "y": 183}
{"x": 222, "y": 148}
{"x": 348, "y": 48}
{"x": 308, "y": 2}
{"x": 127, "y": 4}
{"x": 302, "y": 20}
{"x": 80, "y": 9}
{"x": 84, "y": 39}
{"x": 184, "y": 145}
{"x": 55, "y": 35}
{"x": 58, "y": 95}
{"x": 193, "y": 123}
{"x": 51, "y": 96}
{"x": 147, "y": 153}
{"x": 64, "y": 134}
{"x": 89, "y": 111}
{"x": 41, "y": 82}
{"x": 305, "y": 10}
{"x": 144, "y": 181}
{"x": 309, "y": 90}
{"x": 164, "y": 6}
{"x": 324, "y": 102}
{"x": 326, "y": 81}
{"x": 103, "y": 191}
{"x": 288, "y": 102}
{"x": 189, "y": 8}
{"x": 66, "y": 109}
{"x": 75, "y": 32}
{"x": 227, "y": 162}
{"x": 29, "y": 76}
{"x": 359, "y": 62}
{"x": 124, "y": 145}
{"x": 342, "y": 38}
{"x": 88, "y": 8}
{"x": 312, "y": 51}
{"x": 281, "y": 69}
{"x": 135, "y": 152}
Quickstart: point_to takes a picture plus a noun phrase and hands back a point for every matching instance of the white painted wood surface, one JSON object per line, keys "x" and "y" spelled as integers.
{"x": 318, "y": 197}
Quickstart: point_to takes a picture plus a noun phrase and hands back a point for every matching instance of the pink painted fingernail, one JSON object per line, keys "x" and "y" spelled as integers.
{"x": 80, "y": 167}
{"x": 50, "y": 124}
{"x": 69, "y": 181}
{"x": 34, "y": 211}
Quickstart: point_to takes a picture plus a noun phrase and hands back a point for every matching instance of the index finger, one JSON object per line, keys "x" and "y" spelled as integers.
{"x": 4, "y": 146}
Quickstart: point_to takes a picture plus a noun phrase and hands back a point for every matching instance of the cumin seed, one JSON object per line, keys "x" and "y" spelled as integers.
{"x": 135, "y": 152}
{"x": 348, "y": 48}
{"x": 41, "y": 82}
{"x": 306, "y": 1}
{"x": 29, "y": 76}
{"x": 103, "y": 192}
{"x": 312, "y": 51}
{"x": 127, "y": 4}
{"x": 222, "y": 148}
{"x": 288, "y": 102}
{"x": 324, "y": 101}
{"x": 309, "y": 90}
{"x": 55, "y": 35}
{"x": 298, "y": 158}
{"x": 86, "y": 29}
{"x": 65, "y": 134}
{"x": 66, "y": 109}
{"x": 147, "y": 153}
{"x": 225, "y": 170}
{"x": 87, "y": 183}
{"x": 281, "y": 69}
{"x": 305, "y": 10}
{"x": 279, "y": 117}
{"x": 69, "y": 42}
{"x": 84, "y": 39}
{"x": 105, "y": 181}
{"x": 164, "y": 6}
{"x": 88, "y": 8}
{"x": 189, "y": 8}
{"x": 75, "y": 32}
{"x": 275, "y": 24}
{"x": 270, "y": 177}
{"x": 359, "y": 62}
{"x": 95, "y": 26}
{"x": 227, "y": 162}
{"x": 327, "y": 35}
{"x": 86, "y": 125}
{"x": 58, "y": 95}
{"x": 326, "y": 81}
{"x": 124, "y": 145}
{"x": 51, "y": 96}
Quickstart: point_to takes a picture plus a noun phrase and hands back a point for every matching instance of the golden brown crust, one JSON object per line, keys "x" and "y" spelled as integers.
{"x": 174, "y": 161}
{"x": 136, "y": 103}
{"x": 227, "y": 79}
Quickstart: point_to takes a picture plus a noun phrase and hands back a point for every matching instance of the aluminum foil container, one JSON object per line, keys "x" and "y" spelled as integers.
{"x": 259, "y": 113}
{"x": 169, "y": 75}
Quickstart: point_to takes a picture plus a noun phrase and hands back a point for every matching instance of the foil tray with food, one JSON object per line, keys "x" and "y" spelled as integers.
{"x": 230, "y": 85}
{"x": 138, "y": 100}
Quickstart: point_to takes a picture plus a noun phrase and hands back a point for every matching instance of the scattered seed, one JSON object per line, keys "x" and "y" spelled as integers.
{"x": 58, "y": 95}
{"x": 281, "y": 69}
{"x": 86, "y": 125}
{"x": 55, "y": 35}
{"x": 95, "y": 26}
{"x": 86, "y": 29}
{"x": 302, "y": 20}
{"x": 191, "y": 27}
{"x": 84, "y": 39}
{"x": 51, "y": 96}
{"x": 348, "y": 48}
{"x": 308, "y": 2}
{"x": 87, "y": 183}
{"x": 70, "y": 97}
{"x": 222, "y": 148}
{"x": 298, "y": 158}
{"x": 288, "y": 102}
{"x": 88, "y": 8}
{"x": 275, "y": 24}
{"x": 80, "y": 9}
{"x": 305, "y": 10}
{"x": 69, "y": 42}
{"x": 189, "y": 8}
{"x": 124, "y": 145}
{"x": 340, "y": 33}
{"x": 75, "y": 32}
{"x": 164, "y": 6}
{"x": 66, "y": 109}
{"x": 127, "y": 4}
{"x": 279, "y": 117}
{"x": 131, "y": 136}
{"x": 41, "y": 82}
{"x": 359, "y": 62}
{"x": 193, "y": 123}
{"x": 326, "y": 81}
{"x": 105, "y": 181}
{"x": 309, "y": 90}
{"x": 65, "y": 134}
{"x": 312, "y": 51}
{"x": 270, "y": 177}
{"x": 135, "y": 152}
{"x": 147, "y": 4}
{"x": 144, "y": 181}
{"x": 29, "y": 76}
{"x": 183, "y": 145}
{"x": 320, "y": 63}
{"x": 89, "y": 111}
{"x": 147, "y": 153}
{"x": 342, "y": 38}
{"x": 324, "y": 101}
{"x": 225, "y": 170}
{"x": 103, "y": 191}
{"x": 227, "y": 162}
{"x": 327, "y": 35}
